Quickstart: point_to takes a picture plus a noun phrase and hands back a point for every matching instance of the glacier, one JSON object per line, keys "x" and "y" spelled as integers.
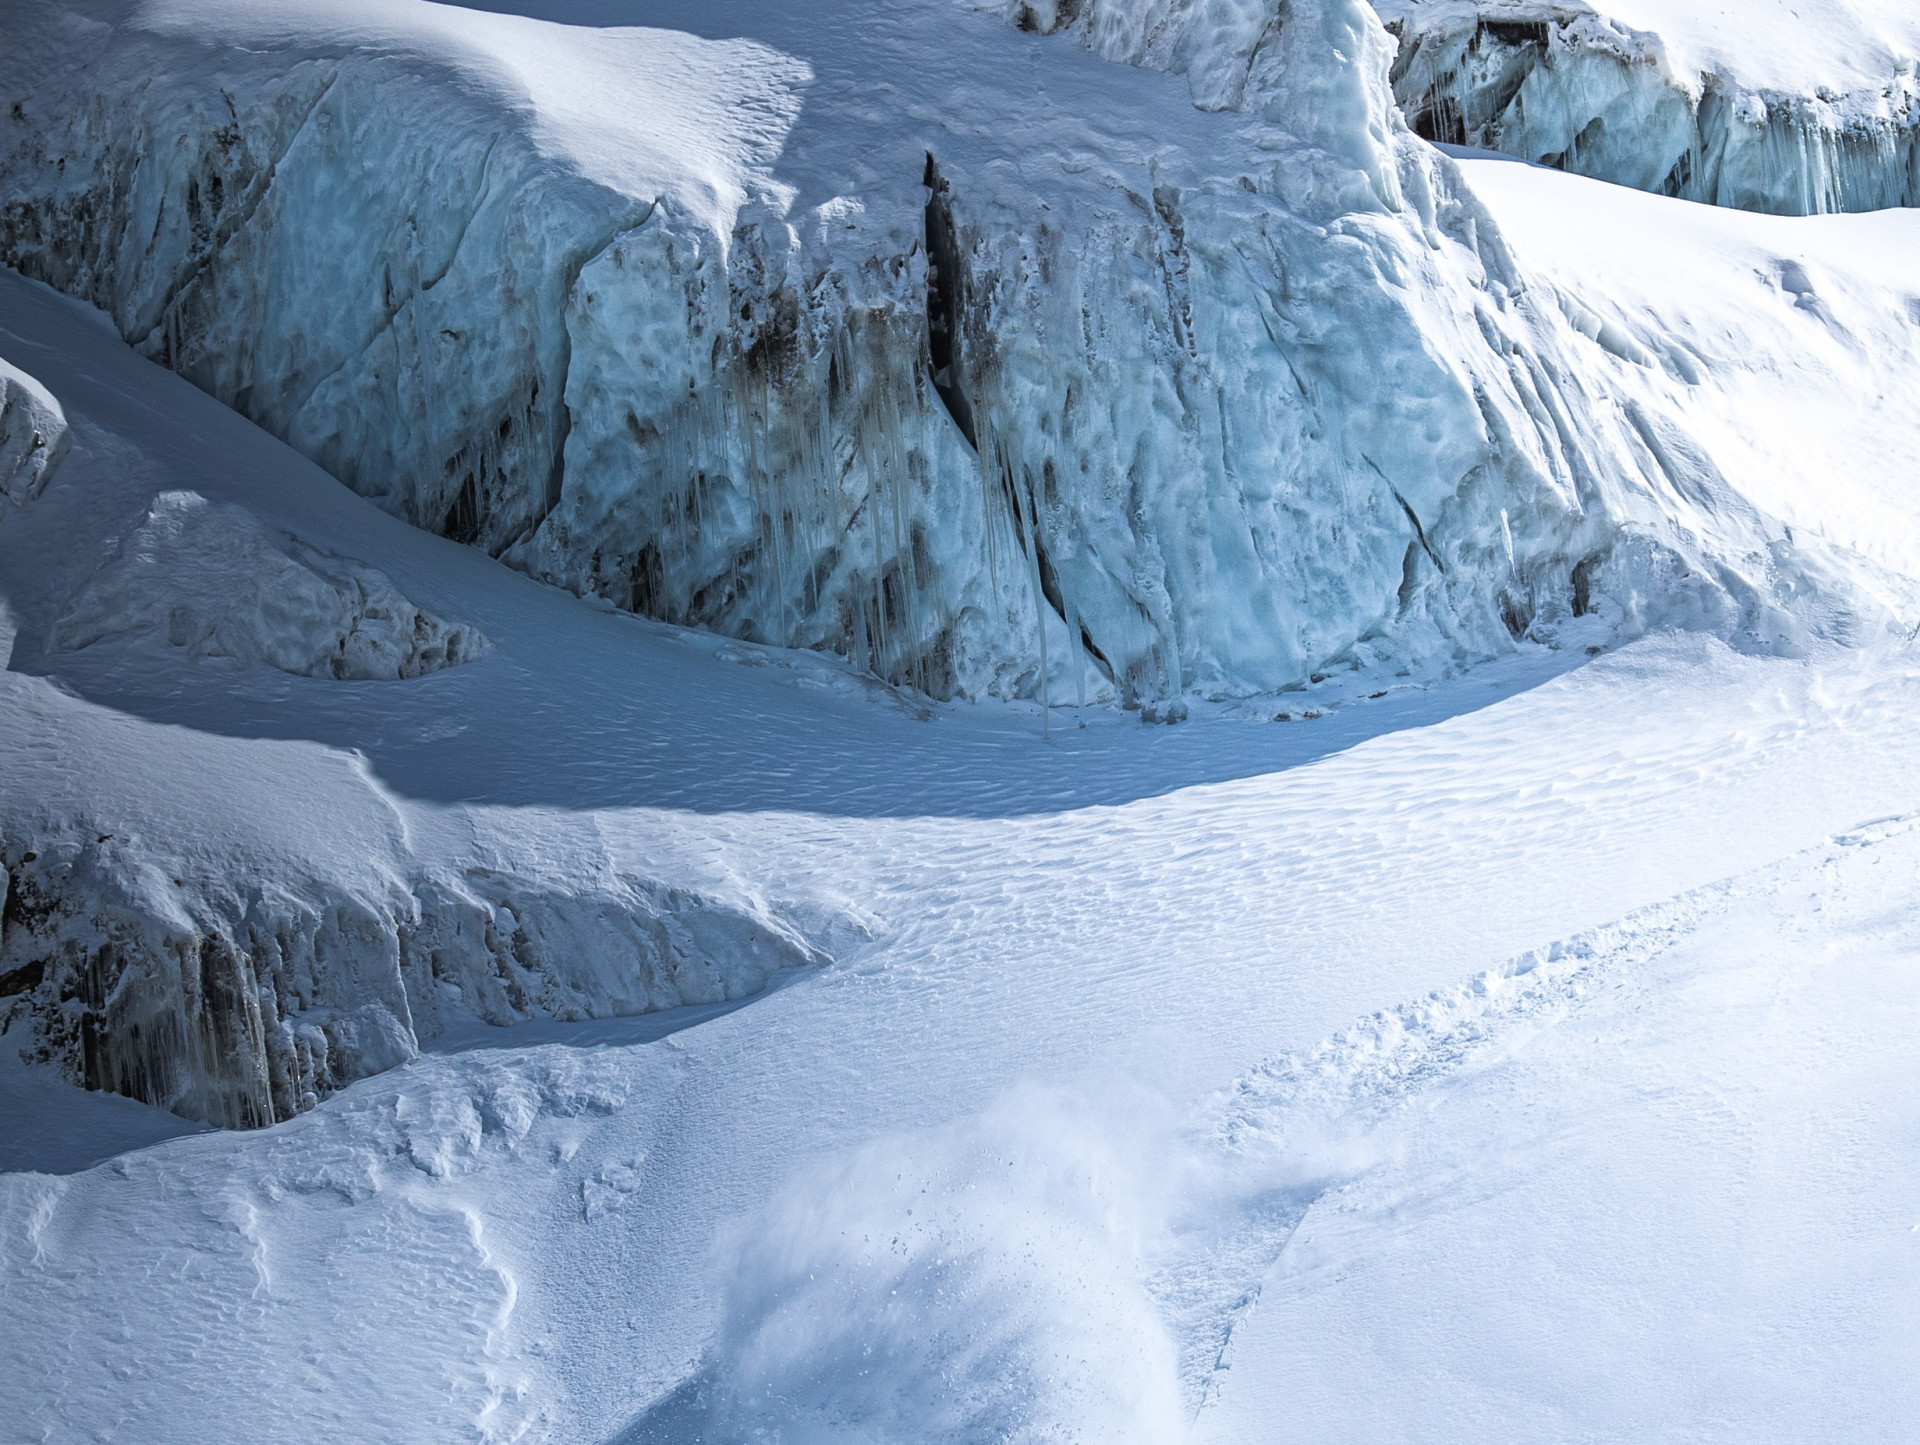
{"x": 768, "y": 986}
{"x": 956, "y": 418}
{"x": 1792, "y": 109}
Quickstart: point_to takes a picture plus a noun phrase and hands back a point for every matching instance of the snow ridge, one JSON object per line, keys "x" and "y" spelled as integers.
{"x": 210, "y": 578}
{"x": 33, "y": 435}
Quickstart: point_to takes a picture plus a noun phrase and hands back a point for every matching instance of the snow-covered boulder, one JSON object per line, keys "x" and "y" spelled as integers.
{"x": 33, "y": 435}
{"x": 210, "y": 578}
{"x": 1792, "y": 108}
{"x": 995, "y": 368}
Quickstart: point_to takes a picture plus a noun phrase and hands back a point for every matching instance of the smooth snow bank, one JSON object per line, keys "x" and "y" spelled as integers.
{"x": 1778, "y": 106}
{"x": 1777, "y": 337}
{"x": 33, "y": 435}
{"x": 210, "y": 578}
{"x": 1648, "y": 1185}
{"x": 992, "y": 367}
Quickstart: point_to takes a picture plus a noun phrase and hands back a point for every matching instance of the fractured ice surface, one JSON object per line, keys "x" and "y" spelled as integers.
{"x": 208, "y": 577}
{"x": 1791, "y": 109}
{"x": 976, "y": 379}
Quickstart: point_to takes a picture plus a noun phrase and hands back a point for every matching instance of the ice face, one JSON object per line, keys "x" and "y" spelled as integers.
{"x": 993, "y": 401}
{"x": 1799, "y": 115}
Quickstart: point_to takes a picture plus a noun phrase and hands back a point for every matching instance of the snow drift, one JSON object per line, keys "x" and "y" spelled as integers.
{"x": 990, "y": 404}
{"x": 1800, "y": 110}
{"x": 210, "y": 578}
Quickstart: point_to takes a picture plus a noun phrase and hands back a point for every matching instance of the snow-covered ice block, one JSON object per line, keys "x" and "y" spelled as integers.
{"x": 210, "y": 578}
{"x": 33, "y": 435}
{"x": 1792, "y": 108}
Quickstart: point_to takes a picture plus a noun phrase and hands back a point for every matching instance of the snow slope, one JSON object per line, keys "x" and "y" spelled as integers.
{"x": 1761, "y": 330}
{"x": 1788, "y": 106}
{"x": 974, "y": 356}
{"x": 1534, "y": 1041}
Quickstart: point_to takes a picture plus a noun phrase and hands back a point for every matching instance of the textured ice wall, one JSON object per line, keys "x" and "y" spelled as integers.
{"x": 33, "y": 435}
{"x": 1080, "y": 420}
{"x": 1560, "y": 84}
{"x": 241, "y": 999}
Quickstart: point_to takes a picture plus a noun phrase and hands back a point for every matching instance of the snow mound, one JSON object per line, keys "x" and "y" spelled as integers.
{"x": 1794, "y": 109}
{"x": 33, "y": 435}
{"x": 210, "y": 578}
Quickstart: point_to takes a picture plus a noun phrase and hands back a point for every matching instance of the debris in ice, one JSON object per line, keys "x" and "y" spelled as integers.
{"x": 210, "y": 578}
{"x": 992, "y": 418}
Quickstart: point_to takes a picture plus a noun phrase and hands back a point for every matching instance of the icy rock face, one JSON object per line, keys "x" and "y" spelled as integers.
{"x": 1565, "y": 86}
{"x": 33, "y": 435}
{"x": 209, "y": 578}
{"x": 1077, "y": 423}
{"x": 244, "y": 1006}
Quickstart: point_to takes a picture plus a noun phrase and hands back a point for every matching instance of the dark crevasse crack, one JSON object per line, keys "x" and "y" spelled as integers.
{"x": 943, "y": 303}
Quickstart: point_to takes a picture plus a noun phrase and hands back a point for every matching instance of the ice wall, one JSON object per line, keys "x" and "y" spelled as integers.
{"x": 242, "y": 998}
{"x": 1560, "y": 84}
{"x": 1043, "y": 411}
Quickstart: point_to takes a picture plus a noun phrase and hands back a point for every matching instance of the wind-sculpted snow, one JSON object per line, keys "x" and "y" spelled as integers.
{"x": 980, "y": 388}
{"x": 33, "y": 436}
{"x": 1794, "y": 110}
{"x": 211, "y": 579}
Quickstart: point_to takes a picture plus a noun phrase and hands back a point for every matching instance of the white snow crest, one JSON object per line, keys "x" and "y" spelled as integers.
{"x": 210, "y": 578}
{"x": 1048, "y": 1270}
